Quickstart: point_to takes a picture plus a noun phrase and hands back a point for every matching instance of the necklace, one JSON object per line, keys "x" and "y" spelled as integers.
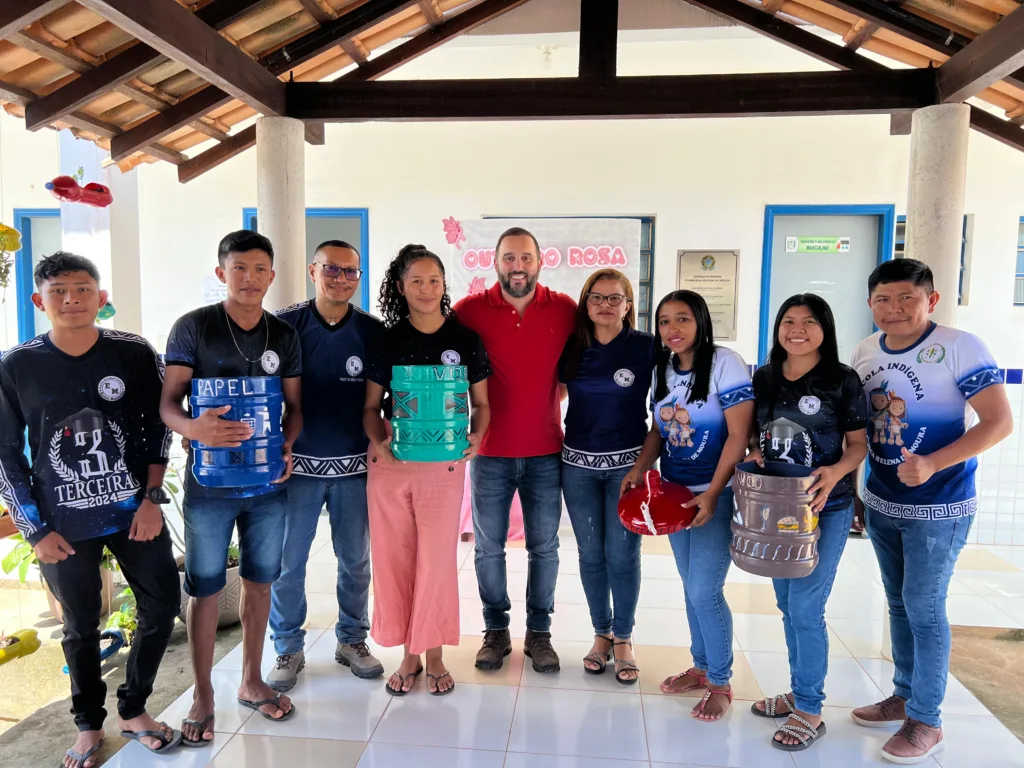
{"x": 266, "y": 344}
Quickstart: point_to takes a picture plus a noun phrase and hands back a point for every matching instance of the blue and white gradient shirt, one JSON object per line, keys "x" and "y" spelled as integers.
{"x": 917, "y": 398}
{"x": 695, "y": 433}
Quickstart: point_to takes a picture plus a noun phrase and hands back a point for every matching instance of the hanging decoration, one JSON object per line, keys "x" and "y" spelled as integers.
{"x": 107, "y": 311}
{"x": 10, "y": 243}
{"x": 67, "y": 189}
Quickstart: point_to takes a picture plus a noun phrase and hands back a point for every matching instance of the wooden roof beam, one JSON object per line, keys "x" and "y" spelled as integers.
{"x": 430, "y": 12}
{"x": 987, "y": 59}
{"x": 790, "y": 93}
{"x": 121, "y": 68}
{"x": 179, "y": 35}
{"x": 996, "y": 128}
{"x": 860, "y": 32}
{"x": 15, "y": 15}
{"x": 356, "y": 51}
{"x": 599, "y": 30}
{"x": 314, "y": 9}
{"x": 374, "y": 68}
{"x": 313, "y": 43}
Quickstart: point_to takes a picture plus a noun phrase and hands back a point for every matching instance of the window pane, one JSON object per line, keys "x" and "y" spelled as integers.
{"x": 1018, "y": 291}
{"x": 643, "y": 305}
{"x": 1020, "y": 262}
{"x": 645, "y": 265}
{"x": 646, "y": 229}
{"x": 1020, "y": 236}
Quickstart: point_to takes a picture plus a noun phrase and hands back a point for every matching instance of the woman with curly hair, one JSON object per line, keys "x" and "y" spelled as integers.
{"x": 414, "y": 506}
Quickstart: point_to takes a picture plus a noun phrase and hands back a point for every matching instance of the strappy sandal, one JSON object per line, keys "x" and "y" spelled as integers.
{"x": 276, "y": 701}
{"x": 201, "y": 726}
{"x": 699, "y": 709}
{"x": 81, "y": 758}
{"x": 625, "y": 665}
{"x": 437, "y": 683}
{"x": 806, "y": 732}
{"x": 770, "y": 707}
{"x": 698, "y": 674}
{"x": 400, "y": 691}
{"x": 601, "y": 659}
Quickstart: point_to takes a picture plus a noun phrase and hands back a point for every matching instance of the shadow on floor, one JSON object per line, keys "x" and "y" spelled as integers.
{"x": 990, "y": 662}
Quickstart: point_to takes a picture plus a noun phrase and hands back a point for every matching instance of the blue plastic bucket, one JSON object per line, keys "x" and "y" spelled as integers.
{"x": 429, "y": 412}
{"x": 258, "y": 402}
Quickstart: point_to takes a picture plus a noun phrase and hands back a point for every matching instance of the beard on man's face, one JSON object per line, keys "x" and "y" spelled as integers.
{"x": 523, "y": 289}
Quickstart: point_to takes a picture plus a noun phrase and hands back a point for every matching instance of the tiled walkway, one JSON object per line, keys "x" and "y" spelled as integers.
{"x": 516, "y": 718}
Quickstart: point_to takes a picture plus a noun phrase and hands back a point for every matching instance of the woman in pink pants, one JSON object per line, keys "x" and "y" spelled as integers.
{"x": 414, "y": 507}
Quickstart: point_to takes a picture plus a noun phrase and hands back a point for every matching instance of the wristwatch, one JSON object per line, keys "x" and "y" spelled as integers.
{"x": 157, "y": 496}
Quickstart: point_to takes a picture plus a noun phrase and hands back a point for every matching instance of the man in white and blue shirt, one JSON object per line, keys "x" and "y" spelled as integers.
{"x": 920, "y": 495}
{"x": 330, "y": 466}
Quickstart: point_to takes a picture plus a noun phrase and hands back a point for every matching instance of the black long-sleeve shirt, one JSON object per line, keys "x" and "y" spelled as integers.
{"x": 94, "y": 429}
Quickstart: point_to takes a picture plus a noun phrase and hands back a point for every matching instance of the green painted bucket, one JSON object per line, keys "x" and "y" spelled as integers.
{"x": 429, "y": 412}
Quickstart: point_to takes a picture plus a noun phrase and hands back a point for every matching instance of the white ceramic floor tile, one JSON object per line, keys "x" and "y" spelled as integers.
{"x": 522, "y": 760}
{"x": 579, "y": 723}
{"x": 862, "y": 638}
{"x": 1011, "y": 606}
{"x": 661, "y": 626}
{"x": 856, "y": 604}
{"x": 959, "y": 700}
{"x": 327, "y": 707}
{"x": 464, "y": 555}
{"x": 274, "y": 751}
{"x": 324, "y": 554}
{"x": 233, "y": 660}
{"x": 957, "y": 587}
{"x": 471, "y": 617}
{"x": 396, "y": 755}
{"x": 847, "y": 684}
{"x": 994, "y": 583}
{"x": 320, "y": 658}
{"x": 471, "y": 717}
{"x": 572, "y": 676}
{"x": 322, "y": 577}
{"x": 662, "y": 593}
{"x": 739, "y": 740}
{"x": 755, "y": 632}
{"x": 134, "y": 755}
{"x": 230, "y": 716}
{"x": 978, "y": 741}
{"x": 572, "y": 622}
{"x": 660, "y": 567}
{"x": 847, "y": 745}
{"x": 976, "y": 611}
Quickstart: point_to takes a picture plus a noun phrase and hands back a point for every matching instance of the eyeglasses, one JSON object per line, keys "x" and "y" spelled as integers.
{"x": 333, "y": 270}
{"x": 597, "y": 299}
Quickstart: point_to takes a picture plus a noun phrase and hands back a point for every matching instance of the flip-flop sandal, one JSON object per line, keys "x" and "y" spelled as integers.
{"x": 595, "y": 657}
{"x": 437, "y": 684}
{"x": 625, "y": 665}
{"x": 807, "y": 734}
{"x": 166, "y": 745}
{"x": 83, "y": 757}
{"x": 401, "y": 690}
{"x": 697, "y": 674}
{"x": 276, "y": 701}
{"x": 707, "y": 697}
{"x": 771, "y": 707}
{"x": 201, "y": 725}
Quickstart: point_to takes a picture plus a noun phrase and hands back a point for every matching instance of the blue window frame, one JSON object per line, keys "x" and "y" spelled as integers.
{"x": 899, "y": 245}
{"x": 23, "y": 268}
{"x": 886, "y": 223}
{"x": 1018, "y": 283}
{"x": 363, "y": 214}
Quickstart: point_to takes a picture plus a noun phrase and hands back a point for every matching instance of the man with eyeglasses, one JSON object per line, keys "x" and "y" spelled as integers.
{"x": 330, "y": 467}
{"x": 524, "y": 327}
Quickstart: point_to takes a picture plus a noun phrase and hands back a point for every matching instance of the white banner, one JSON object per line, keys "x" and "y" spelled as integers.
{"x": 571, "y": 249}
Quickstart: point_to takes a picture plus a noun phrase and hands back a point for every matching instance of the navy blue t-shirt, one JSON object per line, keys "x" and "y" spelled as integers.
{"x": 333, "y": 442}
{"x": 606, "y": 420}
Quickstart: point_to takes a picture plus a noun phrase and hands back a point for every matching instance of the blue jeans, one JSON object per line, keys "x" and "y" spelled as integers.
{"x": 916, "y": 558}
{"x": 609, "y": 552}
{"x": 539, "y": 482}
{"x": 802, "y": 602}
{"x": 702, "y": 557}
{"x": 209, "y": 523}
{"x": 345, "y": 498}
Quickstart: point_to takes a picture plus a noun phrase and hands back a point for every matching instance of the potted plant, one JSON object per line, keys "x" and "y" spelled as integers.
{"x": 23, "y": 557}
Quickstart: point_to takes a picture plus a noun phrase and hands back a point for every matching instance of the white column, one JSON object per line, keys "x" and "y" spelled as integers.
{"x": 125, "y": 283}
{"x": 281, "y": 204}
{"x": 935, "y": 201}
{"x": 935, "y": 215}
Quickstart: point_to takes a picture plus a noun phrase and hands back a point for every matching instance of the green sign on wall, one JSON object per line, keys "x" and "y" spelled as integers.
{"x": 817, "y": 245}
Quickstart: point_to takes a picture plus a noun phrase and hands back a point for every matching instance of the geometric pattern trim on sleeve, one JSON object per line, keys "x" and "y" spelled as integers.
{"x": 736, "y": 396}
{"x": 979, "y": 380}
{"x": 950, "y": 511}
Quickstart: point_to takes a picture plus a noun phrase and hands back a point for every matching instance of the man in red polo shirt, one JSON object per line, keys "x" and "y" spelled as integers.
{"x": 524, "y": 327}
